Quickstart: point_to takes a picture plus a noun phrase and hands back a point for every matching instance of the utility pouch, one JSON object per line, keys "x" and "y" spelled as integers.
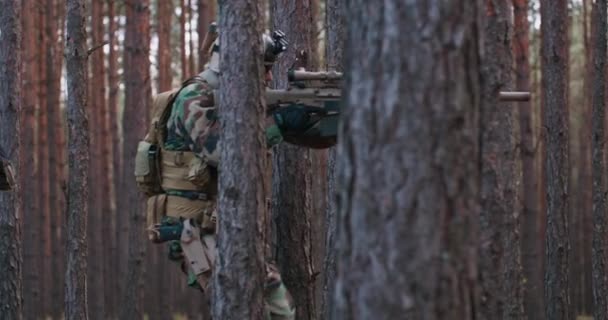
{"x": 147, "y": 169}
{"x": 198, "y": 173}
{"x": 169, "y": 229}
{"x": 156, "y": 212}
{"x": 7, "y": 176}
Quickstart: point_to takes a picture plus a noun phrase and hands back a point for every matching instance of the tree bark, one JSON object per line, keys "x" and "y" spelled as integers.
{"x": 182, "y": 39}
{"x": 114, "y": 120}
{"x": 408, "y": 206}
{"x": 98, "y": 177}
{"x": 238, "y": 277}
{"x": 42, "y": 174}
{"x": 293, "y": 207}
{"x": 335, "y": 11}
{"x": 554, "y": 29}
{"x": 530, "y": 246}
{"x": 164, "y": 15}
{"x": 10, "y": 202}
{"x": 499, "y": 245}
{"x": 54, "y": 61}
{"x": 78, "y": 159}
{"x": 191, "y": 70}
{"x": 137, "y": 104}
{"x": 599, "y": 257}
{"x": 31, "y": 237}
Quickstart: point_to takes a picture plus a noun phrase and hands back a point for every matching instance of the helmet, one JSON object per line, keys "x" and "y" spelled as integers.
{"x": 274, "y": 45}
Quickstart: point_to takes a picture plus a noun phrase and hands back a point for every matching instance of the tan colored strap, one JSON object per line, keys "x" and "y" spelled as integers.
{"x": 175, "y": 169}
{"x": 190, "y": 209}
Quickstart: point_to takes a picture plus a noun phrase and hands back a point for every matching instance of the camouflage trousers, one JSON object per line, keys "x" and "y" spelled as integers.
{"x": 278, "y": 303}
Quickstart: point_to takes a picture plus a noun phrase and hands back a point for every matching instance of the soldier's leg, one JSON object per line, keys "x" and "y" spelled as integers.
{"x": 278, "y": 303}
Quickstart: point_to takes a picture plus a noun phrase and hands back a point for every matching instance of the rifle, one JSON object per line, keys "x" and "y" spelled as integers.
{"x": 323, "y": 90}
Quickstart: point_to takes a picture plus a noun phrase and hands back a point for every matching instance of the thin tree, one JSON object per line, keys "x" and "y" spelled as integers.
{"x": 97, "y": 170}
{"x": 137, "y": 104}
{"x": 42, "y": 159}
{"x": 335, "y": 11}
{"x": 10, "y": 202}
{"x": 499, "y": 249}
{"x": 238, "y": 277}
{"x": 292, "y": 186}
{"x": 554, "y": 52}
{"x": 599, "y": 257}
{"x": 164, "y": 15}
{"x": 182, "y": 39}
{"x": 408, "y": 162}
{"x": 54, "y": 61}
{"x": 530, "y": 246}
{"x": 114, "y": 261}
{"x": 31, "y": 236}
{"x": 78, "y": 161}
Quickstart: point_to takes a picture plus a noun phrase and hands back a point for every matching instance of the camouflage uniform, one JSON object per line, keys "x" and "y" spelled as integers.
{"x": 193, "y": 126}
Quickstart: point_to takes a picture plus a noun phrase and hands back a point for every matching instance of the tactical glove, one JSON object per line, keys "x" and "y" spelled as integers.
{"x": 293, "y": 118}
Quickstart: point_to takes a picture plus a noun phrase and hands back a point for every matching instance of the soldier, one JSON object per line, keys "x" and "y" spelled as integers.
{"x": 188, "y": 131}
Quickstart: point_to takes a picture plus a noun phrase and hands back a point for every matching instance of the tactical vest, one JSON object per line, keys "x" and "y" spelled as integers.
{"x": 178, "y": 182}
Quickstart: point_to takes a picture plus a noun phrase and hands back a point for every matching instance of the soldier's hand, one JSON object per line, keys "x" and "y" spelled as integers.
{"x": 292, "y": 118}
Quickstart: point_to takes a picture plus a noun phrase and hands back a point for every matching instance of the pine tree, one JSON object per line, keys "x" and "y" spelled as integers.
{"x": 408, "y": 205}
{"x": 137, "y": 105}
{"x": 10, "y": 202}
{"x": 599, "y": 257}
{"x": 293, "y": 208}
{"x": 554, "y": 42}
{"x": 239, "y": 269}
{"x": 335, "y": 11}
{"x": 78, "y": 161}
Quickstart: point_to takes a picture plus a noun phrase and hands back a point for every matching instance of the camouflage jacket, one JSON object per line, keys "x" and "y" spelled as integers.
{"x": 193, "y": 124}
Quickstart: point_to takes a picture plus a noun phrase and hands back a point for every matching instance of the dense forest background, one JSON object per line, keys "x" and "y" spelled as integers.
{"x": 304, "y": 186}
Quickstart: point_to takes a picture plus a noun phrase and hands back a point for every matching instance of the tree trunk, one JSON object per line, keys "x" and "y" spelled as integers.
{"x": 98, "y": 177}
{"x": 292, "y": 200}
{"x": 78, "y": 159}
{"x": 191, "y": 70}
{"x": 137, "y": 104}
{"x": 10, "y": 202}
{"x": 31, "y": 238}
{"x": 42, "y": 188}
{"x": 113, "y": 116}
{"x": 164, "y": 15}
{"x": 182, "y": 39}
{"x": 599, "y": 257}
{"x": 499, "y": 249}
{"x": 335, "y": 11}
{"x": 554, "y": 28}
{"x": 530, "y": 247}
{"x": 54, "y": 62}
{"x": 408, "y": 206}
{"x": 238, "y": 277}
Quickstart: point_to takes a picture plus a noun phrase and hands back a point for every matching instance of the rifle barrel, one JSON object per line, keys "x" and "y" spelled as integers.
{"x": 300, "y": 75}
{"x": 514, "y": 96}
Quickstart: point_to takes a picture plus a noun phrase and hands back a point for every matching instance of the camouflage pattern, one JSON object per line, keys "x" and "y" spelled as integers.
{"x": 193, "y": 126}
